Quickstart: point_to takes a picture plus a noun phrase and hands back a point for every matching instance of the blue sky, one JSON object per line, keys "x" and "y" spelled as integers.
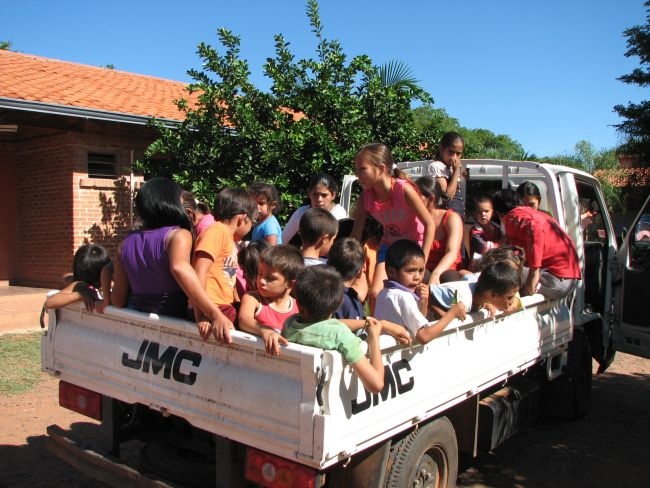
{"x": 541, "y": 71}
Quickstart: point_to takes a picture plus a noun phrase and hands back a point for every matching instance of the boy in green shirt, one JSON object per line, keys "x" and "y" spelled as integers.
{"x": 319, "y": 292}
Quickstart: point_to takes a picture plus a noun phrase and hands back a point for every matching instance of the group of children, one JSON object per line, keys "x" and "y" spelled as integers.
{"x": 322, "y": 294}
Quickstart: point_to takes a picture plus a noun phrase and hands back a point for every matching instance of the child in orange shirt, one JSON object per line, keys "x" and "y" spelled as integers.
{"x": 215, "y": 256}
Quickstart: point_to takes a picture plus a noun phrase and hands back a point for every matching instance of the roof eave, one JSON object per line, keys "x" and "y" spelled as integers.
{"x": 85, "y": 113}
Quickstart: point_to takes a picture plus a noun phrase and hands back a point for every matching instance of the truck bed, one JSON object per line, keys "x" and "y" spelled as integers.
{"x": 276, "y": 403}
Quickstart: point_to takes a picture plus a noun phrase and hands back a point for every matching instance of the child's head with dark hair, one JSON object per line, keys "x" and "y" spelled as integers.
{"x": 515, "y": 256}
{"x": 231, "y": 202}
{"x": 236, "y": 202}
{"x": 529, "y": 194}
{"x": 347, "y": 257}
{"x": 267, "y": 198}
{"x": 483, "y": 209}
{"x": 379, "y": 155}
{"x": 401, "y": 252}
{"x": 500, "y": 282}
{"x": 505, "y": 200}
{"x": 88, "y": 263}
{"x": 158, "y": 204}
{"x": 248, "y": 259}
{"x": 322, "y": 191}
{"x": 405, "y": 263}
{"x": 190, "y": 205}
{"x": 285, "y": 259}
{"x": 430, "y": 191}
{"x": 319, "y": 292}
{"x": 325, "y": 181}
{"x": 315, "y": 224}
{"x": 451, "y": 145}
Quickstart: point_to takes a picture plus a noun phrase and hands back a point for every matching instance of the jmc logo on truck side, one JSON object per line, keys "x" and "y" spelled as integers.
{"x": 171, "y": 359}
{"x": 394, "y": 384}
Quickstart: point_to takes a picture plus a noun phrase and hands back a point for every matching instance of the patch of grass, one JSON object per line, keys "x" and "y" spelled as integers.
{"x": 20, "y": 363}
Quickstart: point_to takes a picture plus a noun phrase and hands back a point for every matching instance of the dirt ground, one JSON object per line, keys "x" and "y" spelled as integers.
{"x": 608, "y": 447}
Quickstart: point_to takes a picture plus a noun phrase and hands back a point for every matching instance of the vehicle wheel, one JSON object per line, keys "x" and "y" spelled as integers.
{"x": 427, "y": 457}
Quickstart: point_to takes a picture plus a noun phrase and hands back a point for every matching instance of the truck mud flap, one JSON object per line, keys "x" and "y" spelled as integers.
{"x": 102, "y": 467}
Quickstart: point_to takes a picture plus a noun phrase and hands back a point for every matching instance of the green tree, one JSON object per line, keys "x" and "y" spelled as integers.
{"x": 636, "y": 126}
{"x": 315, "y": 116}
{"x": 483, "y": 143}
{"x": 5, "y": 45}
{"x": 587, "y": 158}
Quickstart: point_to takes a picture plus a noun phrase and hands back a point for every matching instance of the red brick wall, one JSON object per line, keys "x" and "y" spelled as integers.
{"x": 60, "y": 208}
{"x": 8, "y": 225}
{"x": 44, "y": 197}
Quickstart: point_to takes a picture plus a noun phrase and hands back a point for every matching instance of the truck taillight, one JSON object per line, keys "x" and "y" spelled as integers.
{"x": 80, "y": 400}
{"x": 276, "y": 472}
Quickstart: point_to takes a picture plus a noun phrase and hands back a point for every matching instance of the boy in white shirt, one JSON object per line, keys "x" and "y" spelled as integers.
{"x": 404, "y": 298}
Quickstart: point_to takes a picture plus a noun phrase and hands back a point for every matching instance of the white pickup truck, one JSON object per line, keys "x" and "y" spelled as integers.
{"x": 206, "y": 414}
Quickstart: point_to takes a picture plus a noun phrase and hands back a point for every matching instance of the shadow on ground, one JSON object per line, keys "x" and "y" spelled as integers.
{"x": 608, "y": 447}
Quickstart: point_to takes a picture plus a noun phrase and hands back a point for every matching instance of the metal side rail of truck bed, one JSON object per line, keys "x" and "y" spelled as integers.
{"x": 305, "y": 405}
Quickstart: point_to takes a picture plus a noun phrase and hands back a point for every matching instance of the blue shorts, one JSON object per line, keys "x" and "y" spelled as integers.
{"x": 381, "y": 253}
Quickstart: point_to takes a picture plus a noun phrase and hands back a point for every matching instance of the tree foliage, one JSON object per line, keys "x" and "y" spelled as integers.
{"x": 589, "y": 159}
{"x": 315, "y": 116}
{"x": 432, "y": 123}
{"x": 636, "y": 126}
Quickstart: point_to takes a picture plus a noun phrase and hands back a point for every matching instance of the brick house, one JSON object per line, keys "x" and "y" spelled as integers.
{"x": 68, "y": 134}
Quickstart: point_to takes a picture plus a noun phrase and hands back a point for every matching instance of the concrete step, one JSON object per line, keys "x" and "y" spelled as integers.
{"x": 20, "y": 308}
{"x": 13, "y": 322}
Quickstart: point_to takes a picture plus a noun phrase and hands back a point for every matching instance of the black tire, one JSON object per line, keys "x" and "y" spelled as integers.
{"x": 427, "y": 457}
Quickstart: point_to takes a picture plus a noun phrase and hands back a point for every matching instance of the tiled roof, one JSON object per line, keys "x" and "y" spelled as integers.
{"x": 37, "y": 79}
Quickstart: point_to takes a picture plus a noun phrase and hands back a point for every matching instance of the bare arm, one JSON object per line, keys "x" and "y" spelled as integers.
{"x": 392, "y": 329}
{"x": 221, "y": 325}
{"x": 451, "y": 186}
{"x": 66, "y": 296}
{"x": 395, "y": 330}
{"x": 120, "y": 292}
{"x": 360, "y": 216}
{"x": 371, "y": 371}
{"x": 248, "y": 323}
{"x": 430, "y": 332}
{"x": 422, "y": 291}
{"x": 417, "y": 206}
{"x": 271, "y": 240}
{"x": 530, "y": 286}
{"x": 106, "y": 279}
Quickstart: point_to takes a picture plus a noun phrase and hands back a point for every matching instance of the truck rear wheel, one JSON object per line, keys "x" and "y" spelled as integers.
{"x": 427, "y": 457}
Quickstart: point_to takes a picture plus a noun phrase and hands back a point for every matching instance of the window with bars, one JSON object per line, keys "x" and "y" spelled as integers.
{"x": 102, "y": 166}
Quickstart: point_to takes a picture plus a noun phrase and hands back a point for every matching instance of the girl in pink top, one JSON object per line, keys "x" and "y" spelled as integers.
{"x": 264, "y": 311}
{"x": 198, "y": 213}
{"x": 393, "y": 200}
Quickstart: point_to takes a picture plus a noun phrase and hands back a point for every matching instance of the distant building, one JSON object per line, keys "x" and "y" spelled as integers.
{"x": 68, "y": 134}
